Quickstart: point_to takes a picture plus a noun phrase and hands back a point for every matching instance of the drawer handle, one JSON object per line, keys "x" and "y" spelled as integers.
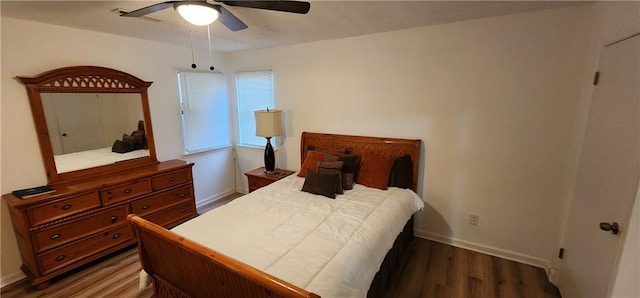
{"x": 55, "y": 236}
{"x": 66, "y": 207}
{"x": 113, "y": 218}
{"x": 128, "y": 190}
{"x": 181, "y": 195}
{"x": 172, "y": 179}
{"x": 183, "y": 210}
{"x": 116, "y": 236}
{"x": 60, "y": 258}
{"x": 145, "y": 207}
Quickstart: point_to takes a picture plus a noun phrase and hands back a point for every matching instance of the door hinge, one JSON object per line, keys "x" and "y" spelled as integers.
{"x": 561, "y": 253}
{"x": 596, "y": 78}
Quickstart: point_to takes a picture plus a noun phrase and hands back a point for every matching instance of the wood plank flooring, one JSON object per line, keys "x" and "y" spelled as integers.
{"x": 432, "y": 269}
{"x": 439, "y": 270}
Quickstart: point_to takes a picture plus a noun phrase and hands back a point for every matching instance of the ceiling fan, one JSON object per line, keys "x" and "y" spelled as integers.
{"x": 201, "y": 13}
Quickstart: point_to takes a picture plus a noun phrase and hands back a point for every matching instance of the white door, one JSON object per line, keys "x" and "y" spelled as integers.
{"x": 80, "y": 123}
{"x": 607, "y": 177}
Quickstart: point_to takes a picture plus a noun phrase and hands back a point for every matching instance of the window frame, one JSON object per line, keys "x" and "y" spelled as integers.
{"x": 248, "y": 122}
{"x": 187, "y": 105}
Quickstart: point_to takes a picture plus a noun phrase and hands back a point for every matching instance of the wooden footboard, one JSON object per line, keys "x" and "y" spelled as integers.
{"x": 183, "y": 268}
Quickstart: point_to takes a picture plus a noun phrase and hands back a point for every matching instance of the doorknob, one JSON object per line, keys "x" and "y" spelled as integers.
{"x": 613, "y": 227}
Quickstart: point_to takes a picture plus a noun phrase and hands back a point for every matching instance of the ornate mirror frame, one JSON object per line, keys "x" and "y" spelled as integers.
{"x": 85, "y": 79}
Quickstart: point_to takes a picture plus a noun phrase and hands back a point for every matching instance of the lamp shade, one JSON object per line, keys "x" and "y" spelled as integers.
{"x": 269, "y": 123}
{"x": 199, "y": 14}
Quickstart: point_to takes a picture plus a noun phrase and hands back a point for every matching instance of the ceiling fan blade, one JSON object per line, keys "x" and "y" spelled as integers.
{"x": 149, "y": 9}
{"x": 230, "y": 21}
{"x": 286, "y": 6}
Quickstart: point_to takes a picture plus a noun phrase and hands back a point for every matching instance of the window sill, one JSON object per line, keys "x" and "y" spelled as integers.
{"x": 253, "y": 147}
{"x": 207, "y": 150}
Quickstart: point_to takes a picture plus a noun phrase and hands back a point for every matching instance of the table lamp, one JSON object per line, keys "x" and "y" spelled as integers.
{"x": 268, "y": 125}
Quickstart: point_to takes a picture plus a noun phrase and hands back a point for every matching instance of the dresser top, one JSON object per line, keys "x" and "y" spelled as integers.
{"x": 98, "y": 181}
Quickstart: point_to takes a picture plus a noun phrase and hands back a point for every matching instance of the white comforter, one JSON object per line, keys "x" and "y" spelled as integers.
{"x": 330, "y": 247}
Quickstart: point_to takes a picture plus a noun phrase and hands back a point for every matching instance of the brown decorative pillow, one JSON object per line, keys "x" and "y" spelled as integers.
{"x": 139, "y": 139}
{"x": 120, "y": 147}
{"x": 347, "y": 181}
{"x": 329, "y": 155}
{"x": 320, "y": 184}
{"x": 311, "y": 162}
{"x": 402, "y": 172}
{"x": 332, "y": 167}
{"x": 374, "y": 171}
{"x": 349, "y": 170}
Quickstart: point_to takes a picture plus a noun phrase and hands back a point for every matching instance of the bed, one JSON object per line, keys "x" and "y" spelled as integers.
{"x": 280, "y": 241}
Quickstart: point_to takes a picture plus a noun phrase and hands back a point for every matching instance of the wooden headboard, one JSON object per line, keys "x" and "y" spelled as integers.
{"x": 358, "y": 145}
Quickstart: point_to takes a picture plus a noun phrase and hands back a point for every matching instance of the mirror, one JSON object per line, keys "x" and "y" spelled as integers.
{"x": 90, "y": 120}
{"x": 83, "y": 127}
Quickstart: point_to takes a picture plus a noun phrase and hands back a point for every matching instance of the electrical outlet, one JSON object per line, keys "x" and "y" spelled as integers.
{"x": 474, "y": 219}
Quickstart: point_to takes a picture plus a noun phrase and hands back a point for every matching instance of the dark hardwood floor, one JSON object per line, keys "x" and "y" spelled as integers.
{"x": 439, "y": 270}
{"x": 432, "y": 269}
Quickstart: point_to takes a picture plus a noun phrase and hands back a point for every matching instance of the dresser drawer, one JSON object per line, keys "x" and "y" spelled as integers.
{"x": 255, "y": 183}
{"x": 125, "y": 191}
{"x": 172, "y": 215}
{"x": 170, "y": 179}
{"x": 44, "y": 213}
{"x": 157, "y": 202}
{"x": 60, "y": 234}
{"x": 76, "y": 251}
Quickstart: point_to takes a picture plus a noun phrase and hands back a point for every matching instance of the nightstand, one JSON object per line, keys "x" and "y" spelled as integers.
{"x": 258, "y": 178}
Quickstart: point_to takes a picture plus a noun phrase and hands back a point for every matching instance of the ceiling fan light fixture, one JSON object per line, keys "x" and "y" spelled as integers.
{"x": 199, "y": 14}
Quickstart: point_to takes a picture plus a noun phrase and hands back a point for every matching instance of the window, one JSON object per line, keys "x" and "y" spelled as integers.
{"x": 254, "y": 92}
{"x": 205, "y": 111}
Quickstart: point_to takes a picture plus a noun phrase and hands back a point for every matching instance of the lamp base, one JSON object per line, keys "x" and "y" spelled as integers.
{"x": 269, "y": 158}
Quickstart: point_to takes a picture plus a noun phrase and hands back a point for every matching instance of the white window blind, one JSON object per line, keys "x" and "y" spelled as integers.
{"x": 254, "y": 92}
{"x": 205, "y": 111}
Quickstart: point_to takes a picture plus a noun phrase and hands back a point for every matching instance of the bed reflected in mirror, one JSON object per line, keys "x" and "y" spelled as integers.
{"x": 85, "y": 129}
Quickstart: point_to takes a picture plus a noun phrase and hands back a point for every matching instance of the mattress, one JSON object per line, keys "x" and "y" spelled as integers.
{"x": 332, "y": 247}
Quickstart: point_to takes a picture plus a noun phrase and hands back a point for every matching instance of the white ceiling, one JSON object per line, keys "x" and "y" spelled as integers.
{"x": 326, "y": 19}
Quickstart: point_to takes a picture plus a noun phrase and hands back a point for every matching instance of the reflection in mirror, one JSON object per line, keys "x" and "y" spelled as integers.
{"x": 84, "y": 114}
{"x": 94, "y": 129}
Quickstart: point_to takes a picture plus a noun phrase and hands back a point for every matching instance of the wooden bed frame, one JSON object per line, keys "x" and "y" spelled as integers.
{"x": 182, "y": 268}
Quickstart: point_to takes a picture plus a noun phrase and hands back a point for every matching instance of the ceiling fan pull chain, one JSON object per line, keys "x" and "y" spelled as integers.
{"x": 193, "y": 62}
{"x": 210, "y": 52}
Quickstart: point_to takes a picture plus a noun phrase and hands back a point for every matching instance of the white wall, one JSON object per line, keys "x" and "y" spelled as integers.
{"x": 493, "y": 100}
{"x": 29, "y": 48}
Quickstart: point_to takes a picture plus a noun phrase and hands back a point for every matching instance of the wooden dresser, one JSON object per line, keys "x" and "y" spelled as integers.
{"x": 86, "y": 219}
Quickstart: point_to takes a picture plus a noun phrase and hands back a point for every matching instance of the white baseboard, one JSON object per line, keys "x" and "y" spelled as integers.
{"x": 485, "y": 249}
{"x": 11, "y": 278}
{"x": 213, "y": 198}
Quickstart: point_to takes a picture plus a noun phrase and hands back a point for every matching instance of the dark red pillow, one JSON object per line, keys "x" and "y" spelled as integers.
{"x": 374, "y": 171}
{"x": 311, "y": 162}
